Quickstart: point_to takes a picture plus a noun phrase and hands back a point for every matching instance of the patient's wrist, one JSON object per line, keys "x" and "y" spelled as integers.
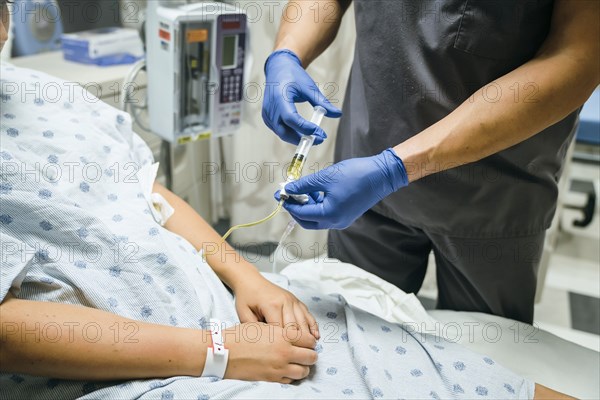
{"x": 239, "y": 275}
{"x": 194, "y": 346}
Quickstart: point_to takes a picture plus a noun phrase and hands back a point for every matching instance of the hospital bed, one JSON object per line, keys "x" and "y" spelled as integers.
{"x": 527, "y": 350}
{"x": 532, "y": 353}
{"x": 551, "y": 361}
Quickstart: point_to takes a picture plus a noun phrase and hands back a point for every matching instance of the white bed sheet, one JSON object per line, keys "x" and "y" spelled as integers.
{"x": 531, "y": 352}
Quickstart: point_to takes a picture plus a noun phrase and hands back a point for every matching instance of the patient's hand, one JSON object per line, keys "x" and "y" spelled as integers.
{"x": 263, "y": 352}
{"x": 260, "y": 300}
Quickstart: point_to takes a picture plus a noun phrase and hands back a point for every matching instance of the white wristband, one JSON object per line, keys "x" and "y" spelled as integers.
{"x": 216, "y": 355}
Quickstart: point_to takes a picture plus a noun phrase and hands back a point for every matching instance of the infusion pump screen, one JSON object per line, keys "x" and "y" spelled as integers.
{"x": 229, "y": 52}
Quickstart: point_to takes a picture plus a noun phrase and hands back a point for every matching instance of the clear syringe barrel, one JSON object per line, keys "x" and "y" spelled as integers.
{"x": 294, "y": 171}
{"x": 307, "y": 140}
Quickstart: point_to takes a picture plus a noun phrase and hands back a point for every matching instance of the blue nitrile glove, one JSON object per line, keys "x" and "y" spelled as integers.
{"x": 287, "y": 84}
{"x": 350, "y": 188}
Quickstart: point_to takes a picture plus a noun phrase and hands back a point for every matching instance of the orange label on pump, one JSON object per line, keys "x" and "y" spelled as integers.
{"x": 164, "y": 34}
{"x": 197, "y": 35}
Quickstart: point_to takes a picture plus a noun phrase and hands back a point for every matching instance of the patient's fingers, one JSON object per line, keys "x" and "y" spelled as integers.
{"x": 294, "y": 371}
{"x": 300, "y": 317}
{"x": 247, "y": 315}
{"x": 301, "y": 338}
{"x": 289, "y": 318}
{"x": 312, "y": 322}
{"x": 273, "y": 314}
{"x": 304, "y": 356}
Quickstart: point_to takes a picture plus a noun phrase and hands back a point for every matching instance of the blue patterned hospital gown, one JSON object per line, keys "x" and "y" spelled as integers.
{"x": 76, "y": 228}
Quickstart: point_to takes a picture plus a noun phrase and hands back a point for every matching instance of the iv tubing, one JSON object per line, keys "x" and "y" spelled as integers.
{"x": 288, "y": 230}
{"x": 234, "y": 228}
{"x": 248, "y": 225}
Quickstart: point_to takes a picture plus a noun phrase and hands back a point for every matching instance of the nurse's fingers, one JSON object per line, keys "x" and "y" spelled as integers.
{"x": 288, "y": 134}
{"x": 307, "y": 212}
{"x": 317, "y": 197}
{"x": 296, "y": 122}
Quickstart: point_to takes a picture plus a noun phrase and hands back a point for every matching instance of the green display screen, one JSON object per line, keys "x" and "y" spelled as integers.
{"x": 229, "y": 46}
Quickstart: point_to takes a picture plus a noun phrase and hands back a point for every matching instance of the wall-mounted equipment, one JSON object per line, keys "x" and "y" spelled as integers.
{"x": 196, "y": 55}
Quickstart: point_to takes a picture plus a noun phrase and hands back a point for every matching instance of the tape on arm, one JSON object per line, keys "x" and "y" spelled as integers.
{"x": 216, "y": 355}
{"x": 160, "y": 208}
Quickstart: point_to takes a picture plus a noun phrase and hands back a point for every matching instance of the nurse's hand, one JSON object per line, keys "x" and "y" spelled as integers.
{"x": 346, "y": 190}
{"x": 259, "y": 300}
{"x": 287, "y": 84}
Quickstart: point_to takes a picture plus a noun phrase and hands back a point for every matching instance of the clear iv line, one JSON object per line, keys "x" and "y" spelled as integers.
{"x": 288, "y": 230}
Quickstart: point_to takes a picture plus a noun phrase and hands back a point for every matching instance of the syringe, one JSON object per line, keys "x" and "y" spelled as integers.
{"x": 294, "y": 171}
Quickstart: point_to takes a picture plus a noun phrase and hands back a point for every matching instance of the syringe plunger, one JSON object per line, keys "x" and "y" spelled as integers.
{"x": 318, "y": 114}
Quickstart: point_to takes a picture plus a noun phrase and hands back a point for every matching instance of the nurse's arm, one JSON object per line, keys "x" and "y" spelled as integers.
{"x": 565, "y": 72}
{"x": 308, "y": 27}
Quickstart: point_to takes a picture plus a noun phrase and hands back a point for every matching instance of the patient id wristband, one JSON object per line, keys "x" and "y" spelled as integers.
{"x": 216, "y": 355}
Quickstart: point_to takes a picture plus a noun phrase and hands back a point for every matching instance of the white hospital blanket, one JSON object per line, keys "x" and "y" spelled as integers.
{"x": 528, "y": 350}
{"x": 361, "y": 289}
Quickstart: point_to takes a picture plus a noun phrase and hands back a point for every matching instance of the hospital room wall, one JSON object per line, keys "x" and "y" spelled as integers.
{"x": 256, "y": 148}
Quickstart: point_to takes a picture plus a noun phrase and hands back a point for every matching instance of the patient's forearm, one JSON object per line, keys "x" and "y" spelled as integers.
{"x": 224, "y": 260}
{"x": 544, "y": 393}
{"x": 73, "y": 342}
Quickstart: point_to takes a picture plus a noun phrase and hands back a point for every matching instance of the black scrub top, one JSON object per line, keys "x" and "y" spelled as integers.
{"x": 415, "y": 62}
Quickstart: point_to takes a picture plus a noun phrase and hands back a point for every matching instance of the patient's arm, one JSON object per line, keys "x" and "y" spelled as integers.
{"x": 543, "y": 393}
{"x": 224, "y": 260}
{"x": 256, "y": 298}
{"x": 109, "y": 347}
{"x": 128, "y": 349}
{"x": 87, "y": 344}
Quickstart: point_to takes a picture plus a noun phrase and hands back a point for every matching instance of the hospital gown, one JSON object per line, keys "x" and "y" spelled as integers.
{"x": 76, "y": 228}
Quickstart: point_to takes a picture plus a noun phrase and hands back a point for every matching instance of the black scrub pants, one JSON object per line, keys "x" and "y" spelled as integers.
{"x": 495, "y": 276}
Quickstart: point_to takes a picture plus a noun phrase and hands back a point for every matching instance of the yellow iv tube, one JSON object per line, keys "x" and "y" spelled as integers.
{"x": 248, "y": 225}
{"x": 294, "y": 171}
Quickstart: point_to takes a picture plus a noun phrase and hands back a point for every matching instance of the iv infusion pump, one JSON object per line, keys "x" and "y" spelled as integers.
{"x": 196, "y": 57}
